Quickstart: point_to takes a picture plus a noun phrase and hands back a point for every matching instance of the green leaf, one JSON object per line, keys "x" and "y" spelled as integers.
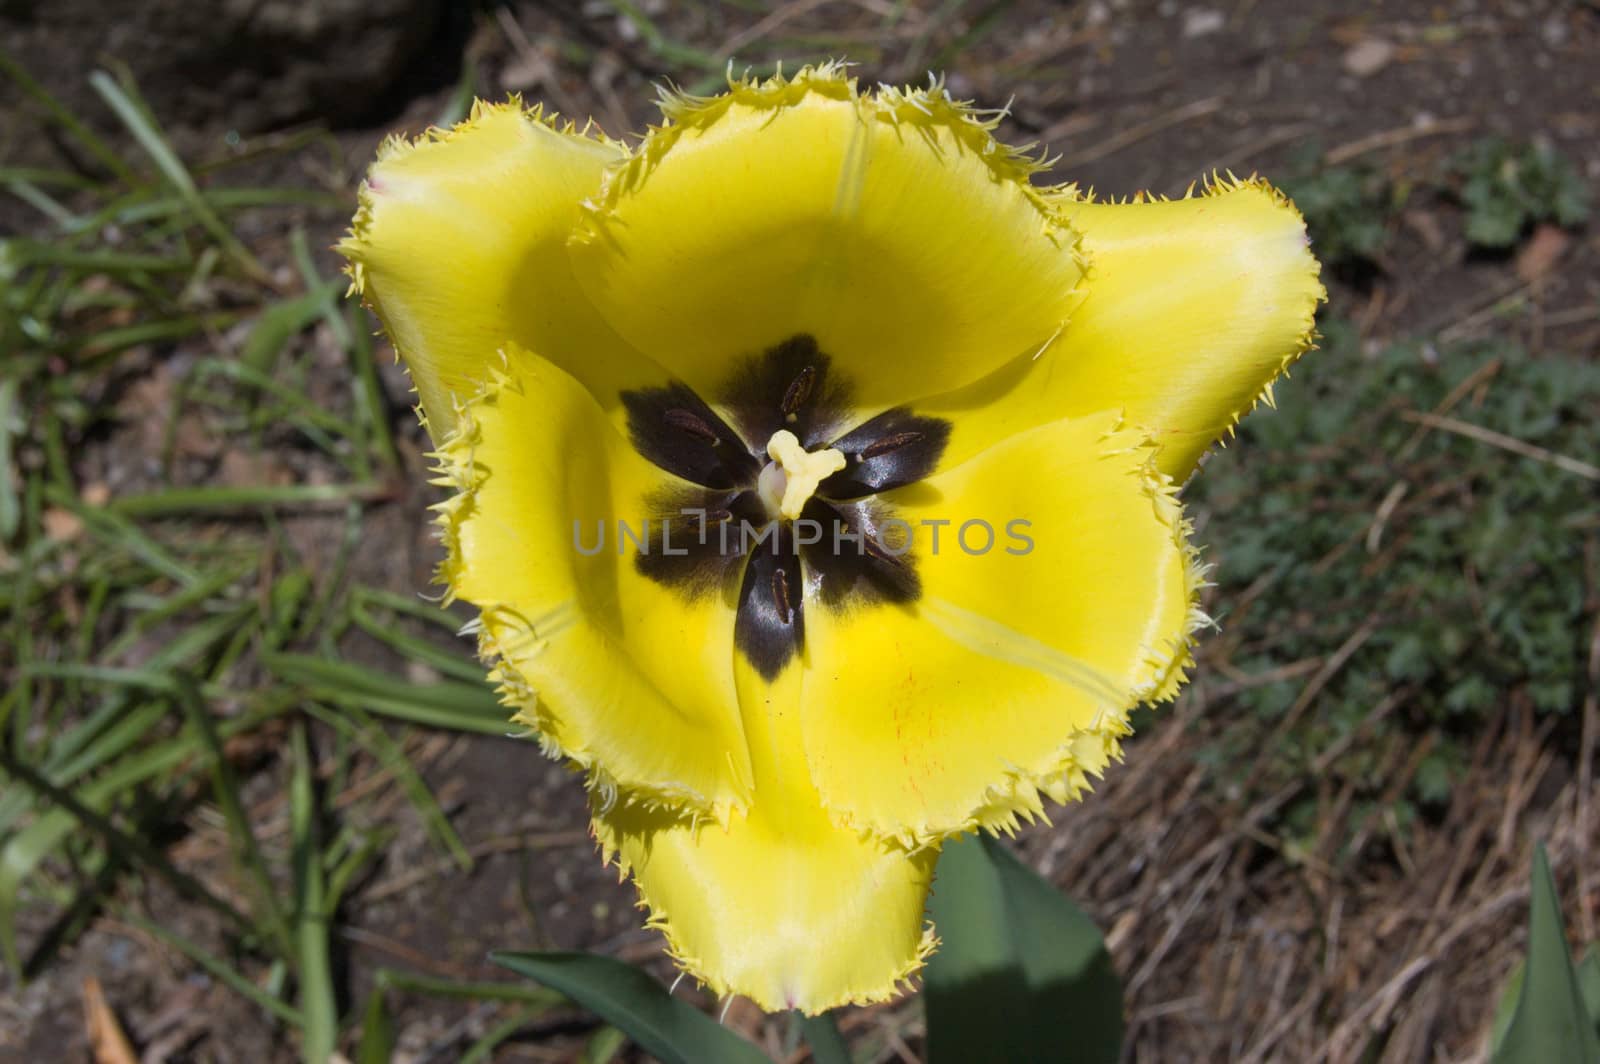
{"x": 23, "y": 851}
{"x": 226, "y": 790}
{"x": 235, "y": 980}
{"x": 822, "y": 1035}
{"x": 11, "y": 424}
{"x": 1589, "y": 985}
{"x": 604, "y": 1046}
{"x": 173, "y": 502}
{"x": 460, "y": 706}
{"x": 392, "y": 756}
{"x": 1507, "y": 1006}
{"x": 280, "y": 323}
{"x": 481, "y": 1051}
{"x": 107, "y": 155}
{"x": 433, "y": 986}
{"x": 670, "y": 1029}
{"x": 1550, "y": 1022}
{"x": 320, "y": 1035}
{"x": 377, "y": 1031}
{"x": 130, "y": 109}
{"x": 1023, "y": 974}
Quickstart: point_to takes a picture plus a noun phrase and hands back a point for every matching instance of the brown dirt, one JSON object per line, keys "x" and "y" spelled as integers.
{"x": 1233, "y": 946}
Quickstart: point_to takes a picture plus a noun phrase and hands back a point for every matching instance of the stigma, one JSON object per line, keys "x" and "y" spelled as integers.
{"x": 788, "y": 481}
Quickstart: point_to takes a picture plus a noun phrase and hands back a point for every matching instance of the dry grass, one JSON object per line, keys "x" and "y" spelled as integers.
{"x": 1235, "y": 947}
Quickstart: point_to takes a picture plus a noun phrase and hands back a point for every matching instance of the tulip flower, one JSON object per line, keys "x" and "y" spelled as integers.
{"x": 814, "y": 470}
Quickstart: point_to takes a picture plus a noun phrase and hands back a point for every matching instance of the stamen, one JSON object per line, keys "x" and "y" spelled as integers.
{"x": 780, "y": 596}
{"x": 892, "y": 442}
{"x": 791, "y": 478}
{"x": 799, "y": 390}
{"x": 690, "y": 422}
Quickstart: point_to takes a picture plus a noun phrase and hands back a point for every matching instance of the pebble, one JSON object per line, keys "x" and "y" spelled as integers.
{"x": 1368, "y": 56}
{"x": 1202, "y": 21}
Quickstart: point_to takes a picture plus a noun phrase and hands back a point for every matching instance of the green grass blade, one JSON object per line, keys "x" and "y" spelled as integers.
{"x": 130, "y": 846}
{"x": 117, "y": 531}
{"x": 356, "y": 344}
{"x": 414, "y": 648}
{"x": 225, "y": 788}
{"x": 222, "y": 199}
{"x": 392, "y": 757}
{"x": 320, "y": 1034}
{"x": 1506, "y": 1007}
{"x": 141, "y": 678}
{"x": 243, "y": 374}
{"x": 102, "y": 152}
{"x": 111, "y": 341}
{"x": 31, "y": 253}
{"x": 109, "y": 731}
{"x": 149, "y": 609}
{"x": 458, "y": 706}
{"x": 325, "y": 292}
{"x": 280, "y": 323}
{"x": 144, "y": 130}
{"x": 433, "y": 986}
{"x": 178, "y": 501}
{"x": 38, "y": 175}
{"x": 44, "y": 203}
{"x": 354, "y": 860}
{"x": 377, "y": 1030}
{"x": 604, "y": 1046}
{"x": 11, "y": 427}
{"x": 411, "y": 605}
{"x": 483, "y": 1049}
{"x": 22, "y": 852}
{"x": 224, "y": 974}
{"x": 673, "y": 51}
{"x": 86, "y": 746}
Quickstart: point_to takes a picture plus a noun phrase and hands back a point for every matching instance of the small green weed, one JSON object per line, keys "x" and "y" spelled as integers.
{"x": 1388, "y": 577}
{"x": 1506, "y": 188}
{"x": 1351, "y": 209}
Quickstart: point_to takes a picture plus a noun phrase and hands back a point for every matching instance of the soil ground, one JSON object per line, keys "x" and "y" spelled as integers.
{"x": 1232, "y": 947}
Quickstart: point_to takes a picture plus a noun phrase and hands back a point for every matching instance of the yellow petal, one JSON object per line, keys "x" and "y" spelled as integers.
{"x": 1191, "y": 307}
{"x": 891, "y": 227}
{"x": 460, "y": 246}
{"x": 782, "y": 906}
{"x": 1013, "y": 672}
{"x": 612, "y": 669}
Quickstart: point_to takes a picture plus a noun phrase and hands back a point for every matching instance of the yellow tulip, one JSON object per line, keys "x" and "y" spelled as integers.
{"x": 797, "y": 306}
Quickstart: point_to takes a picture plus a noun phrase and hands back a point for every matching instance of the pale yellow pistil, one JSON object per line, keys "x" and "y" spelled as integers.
{"x": 790, "y": 479}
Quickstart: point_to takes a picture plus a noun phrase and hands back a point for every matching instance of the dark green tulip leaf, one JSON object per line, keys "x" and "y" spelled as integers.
{"x": 1550, "y": 1022}
{"x": 822, "y": 1035}
{"x": 1589, "y": 984}
{"x": 1510, "y": 994}
{"x": 1022, "y": 974}
{"x": 672, "y": 1030}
